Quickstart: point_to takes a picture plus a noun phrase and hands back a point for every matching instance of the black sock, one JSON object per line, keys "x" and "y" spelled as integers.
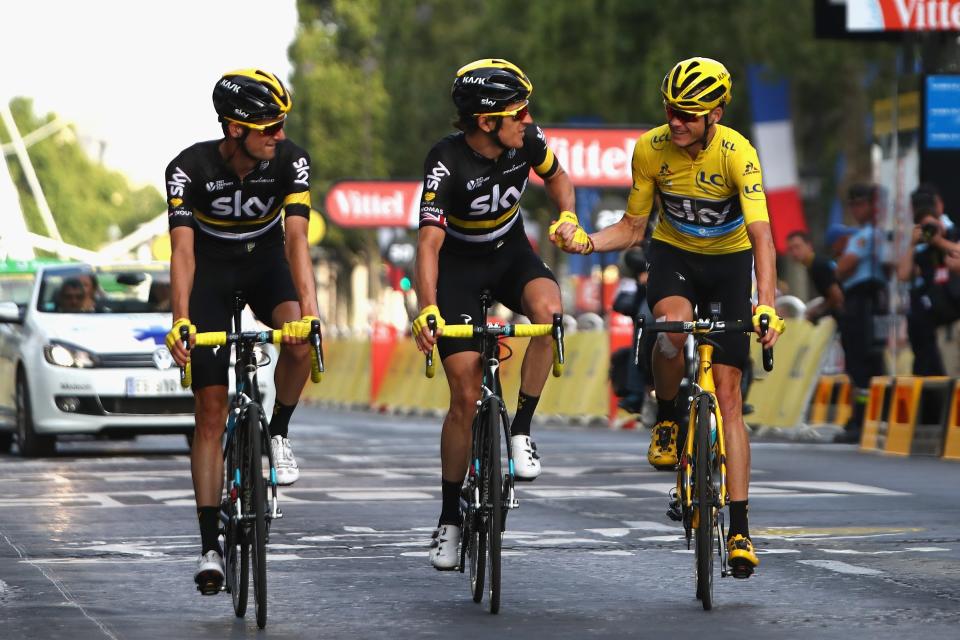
{"x": 667, "y": 408}
{"x": 209, "y": 528}
{"x": 280, "y": 422}
{"x": 738, "y": 519}
{"x": 526, "y": 405}
{"x": 450, "y": 514}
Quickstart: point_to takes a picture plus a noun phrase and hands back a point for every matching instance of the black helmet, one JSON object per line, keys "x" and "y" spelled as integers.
{"x": 489, "y": 86}
{"x": 248, "y": 96}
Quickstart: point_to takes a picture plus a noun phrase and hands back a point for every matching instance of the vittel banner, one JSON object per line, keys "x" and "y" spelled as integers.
{"x": 374, "y": 203}
{"x": 903, "y": 15}
{"x": 593, "y": 157}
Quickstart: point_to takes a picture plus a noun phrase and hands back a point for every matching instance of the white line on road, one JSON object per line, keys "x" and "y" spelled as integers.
{"x": 841, "y": 567}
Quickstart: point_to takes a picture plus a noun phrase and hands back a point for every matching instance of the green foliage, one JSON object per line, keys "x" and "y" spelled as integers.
{"x": 85, "y": 198}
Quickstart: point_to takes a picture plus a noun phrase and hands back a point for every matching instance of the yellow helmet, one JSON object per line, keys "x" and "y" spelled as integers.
{"x": 697, "y": 86}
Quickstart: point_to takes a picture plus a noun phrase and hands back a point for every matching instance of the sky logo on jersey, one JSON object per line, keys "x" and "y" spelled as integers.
{"x": 252, "y": 207}
{"x": 303, "y": 172}
{"x": 438, "y": 173}
{"x": 177, "y": 182}
{"x": 495, "y": 201}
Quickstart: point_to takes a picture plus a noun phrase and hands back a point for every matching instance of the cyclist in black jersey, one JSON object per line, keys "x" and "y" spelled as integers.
{"x": 225, "y": 201}
{"x": 471, "y": 238}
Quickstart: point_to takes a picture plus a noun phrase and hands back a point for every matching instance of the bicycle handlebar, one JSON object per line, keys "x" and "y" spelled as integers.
{"x": 270, "y": 336}
{"x": 468, "y": 331}
{"x": 704, "y": 327}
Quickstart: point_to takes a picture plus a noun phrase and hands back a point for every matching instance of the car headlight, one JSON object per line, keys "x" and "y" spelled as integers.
{"x": 68, "y": 355}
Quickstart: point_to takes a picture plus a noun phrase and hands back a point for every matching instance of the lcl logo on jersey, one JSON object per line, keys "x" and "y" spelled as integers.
{"x": 438, "y": 173}
{"x": 714, "y": 179}
{"x": 303, "y": 172}
{"x": 234, "y": 206}
{"x": 496, "y": 201}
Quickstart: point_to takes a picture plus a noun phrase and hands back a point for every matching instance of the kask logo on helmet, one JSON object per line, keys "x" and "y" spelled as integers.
{"x": 474, "y": 80}
{"x": 229, "y": 86}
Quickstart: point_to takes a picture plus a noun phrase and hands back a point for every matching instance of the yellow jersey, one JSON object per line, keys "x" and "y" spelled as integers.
{"x": 706, "y": 202}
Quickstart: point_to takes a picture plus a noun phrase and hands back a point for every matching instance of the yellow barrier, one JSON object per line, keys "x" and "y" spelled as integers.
{"x": 903, "y": 415}
{"x": 877, "y": 414}
{"x": 831, "y": 401}
{"x": 779, "y": 398}
{"x": 347, "y": 379}
{"x": 931, "y": 418}
{"x": 951, "y": 447}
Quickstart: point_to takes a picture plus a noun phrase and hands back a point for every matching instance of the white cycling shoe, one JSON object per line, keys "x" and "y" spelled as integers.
{"x": 287, "y": 470}
{"x": 526, "y": 460}
{"x": 445, "y": 547}
{"x": 209, "y": 573}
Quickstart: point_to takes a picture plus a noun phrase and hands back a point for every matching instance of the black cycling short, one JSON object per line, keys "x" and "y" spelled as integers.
{"x": 258, "y": 269}
{"x": 463, "y": 276}
{"x": 704, "y": 279}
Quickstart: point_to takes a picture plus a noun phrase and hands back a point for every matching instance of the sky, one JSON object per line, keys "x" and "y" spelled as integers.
{"x": 137, "y": 75}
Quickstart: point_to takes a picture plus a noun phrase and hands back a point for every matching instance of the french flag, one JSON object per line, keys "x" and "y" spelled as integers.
{"x": 773, "y": 139}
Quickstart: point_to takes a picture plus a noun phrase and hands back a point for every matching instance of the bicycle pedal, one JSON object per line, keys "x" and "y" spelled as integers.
{"x": 741, "y": 569}
{"x": 674, "y": 512}
{"x": 209, "y": 586}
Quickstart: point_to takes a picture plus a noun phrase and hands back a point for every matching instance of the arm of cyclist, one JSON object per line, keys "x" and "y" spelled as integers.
{"x": 297, "y": 249}
{"x": 182, "y": 268}
{"x": 764, "y": 258}
{"x": 426, "y": 272}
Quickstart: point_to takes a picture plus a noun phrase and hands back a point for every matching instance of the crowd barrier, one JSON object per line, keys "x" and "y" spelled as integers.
{"x": 831, "y": 403}
{"x": 913, "y": 416}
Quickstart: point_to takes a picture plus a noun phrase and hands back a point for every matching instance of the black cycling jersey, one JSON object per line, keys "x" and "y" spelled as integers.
{"x": 203, "y": 192}
{"x": 476, "y": 200}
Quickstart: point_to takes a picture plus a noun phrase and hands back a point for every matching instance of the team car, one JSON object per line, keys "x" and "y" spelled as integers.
{"x": 82, "y": 352}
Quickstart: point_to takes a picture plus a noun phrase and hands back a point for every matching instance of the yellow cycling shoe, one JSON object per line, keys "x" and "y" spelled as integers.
{"x": 662, "y": 453}
{"x": 741, "y": 557}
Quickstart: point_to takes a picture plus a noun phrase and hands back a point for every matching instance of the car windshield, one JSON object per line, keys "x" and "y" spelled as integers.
{"x": 105, "y": 290}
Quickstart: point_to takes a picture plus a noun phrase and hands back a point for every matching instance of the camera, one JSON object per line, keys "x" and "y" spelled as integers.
{"x": 928, "y": 231}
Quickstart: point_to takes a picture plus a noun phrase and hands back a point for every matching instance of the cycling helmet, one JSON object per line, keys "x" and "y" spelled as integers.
{"x": 488, "y": 86}
{"x": 250, "y": 96}
{"x": 697, "y": 86}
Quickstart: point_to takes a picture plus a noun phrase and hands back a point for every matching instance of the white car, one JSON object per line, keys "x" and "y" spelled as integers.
{"x": 82, "y": 352}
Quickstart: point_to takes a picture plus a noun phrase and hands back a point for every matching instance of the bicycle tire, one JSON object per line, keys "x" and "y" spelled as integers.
{"x": 258, "y": 531}
{"x": 236, "y": 544}
{"x": 478, "y": 534}
{"x": 495, "y": 483}
{"x": 704, "y": 491}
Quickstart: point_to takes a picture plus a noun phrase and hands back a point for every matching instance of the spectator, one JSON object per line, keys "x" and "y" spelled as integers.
{"x": 821, "y": 271}
{"x": 923, "y": 265}
{"x": 72, "y": 298}
{"x": 159, "y": 296}
{"x": 862, "y": 271}
{"x": 633, "y": 383}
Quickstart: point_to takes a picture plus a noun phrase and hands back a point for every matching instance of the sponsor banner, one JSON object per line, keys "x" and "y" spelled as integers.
{"x": 942, "y": 106}
{"x": 374, "y": 203}
{"x": 593, "y": 157}
{"x": 903, "y": 15}
{"x": 786, "y": 215}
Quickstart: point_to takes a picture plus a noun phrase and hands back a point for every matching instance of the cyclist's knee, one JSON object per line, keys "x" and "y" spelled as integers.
{"x": 211, "y": 411}
{"x": 541, "y": 311}
{"x": 463, "y": 405}
{"x": 298, "y": 355}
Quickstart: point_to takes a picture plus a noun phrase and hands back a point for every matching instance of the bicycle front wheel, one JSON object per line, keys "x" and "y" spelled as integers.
{"x": 494, "y": 481}
{"x": 704, "y": 494}
{"x": 475, "y": 524}
{"x": 258, "y": 530}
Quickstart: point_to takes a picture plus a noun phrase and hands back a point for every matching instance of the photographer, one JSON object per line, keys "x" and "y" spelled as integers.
{"x": 934, "y": 293}
{"x": 631, "y": 383}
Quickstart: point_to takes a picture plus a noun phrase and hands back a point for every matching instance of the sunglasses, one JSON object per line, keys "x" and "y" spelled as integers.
{"x": 517, "y": 114}
{"x": 271, "y": 129}
{"x": 682, "y": 116}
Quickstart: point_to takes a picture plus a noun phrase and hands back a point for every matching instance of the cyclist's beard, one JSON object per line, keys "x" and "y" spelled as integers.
{"x": 242, "y": 146}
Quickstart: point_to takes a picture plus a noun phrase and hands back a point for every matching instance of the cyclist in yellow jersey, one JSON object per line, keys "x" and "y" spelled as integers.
{"x": 713, "y": 232}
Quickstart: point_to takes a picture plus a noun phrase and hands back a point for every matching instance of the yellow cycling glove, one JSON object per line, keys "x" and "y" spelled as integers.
{"x": 421, "y": 320}
{"x": 298, "y": 329}
{"x": 776, "y": 322}
{"x": 579, "y": 236}
{"x": 174, "y": 336}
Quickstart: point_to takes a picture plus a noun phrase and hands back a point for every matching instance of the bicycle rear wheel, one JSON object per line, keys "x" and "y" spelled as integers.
{"x": 704, "y": 494}
{"x": 236, "y": 544}
{"x": 495, "y": 504}
{"x": 258, "y": 530}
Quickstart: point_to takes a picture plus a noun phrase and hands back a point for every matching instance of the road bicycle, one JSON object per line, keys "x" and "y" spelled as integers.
{"x": 701, "y": 490}
{"x": 488, "y": 493}
{"x": 246, "y": 512}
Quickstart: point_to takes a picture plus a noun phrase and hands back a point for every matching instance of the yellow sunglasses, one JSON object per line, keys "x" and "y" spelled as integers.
{"x": 271, "y": 129}
{"x": 517, "y": 114}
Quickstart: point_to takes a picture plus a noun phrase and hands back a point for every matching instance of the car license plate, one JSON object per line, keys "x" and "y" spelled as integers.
{"x": 153, "y": 386}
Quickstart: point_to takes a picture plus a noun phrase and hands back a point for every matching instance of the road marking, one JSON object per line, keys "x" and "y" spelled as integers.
{"x": 841, "y": 567}
{"x": 611, "y": 532}
{"x": 649, "y": 525}
{"x": 615, "y": 552}
{"x": 379, "y": 495}
{"x": 834, "y": 487}
{"x": 574, "y": 493}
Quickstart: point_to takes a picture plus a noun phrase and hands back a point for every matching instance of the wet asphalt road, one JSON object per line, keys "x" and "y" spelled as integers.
{"x": 100, "y": 542}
